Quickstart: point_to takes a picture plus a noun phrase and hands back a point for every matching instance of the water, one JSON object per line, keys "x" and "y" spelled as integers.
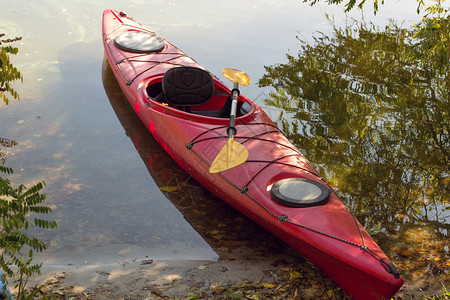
{"x": 375, "y": 123}
{"x": 115, "y": 194}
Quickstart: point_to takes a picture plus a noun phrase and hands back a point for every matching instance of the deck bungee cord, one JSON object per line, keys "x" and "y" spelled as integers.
{"x": 156, "y": 63}
{"x": 247, "y": 138}
{"x": 168, "y": 61}
{"x": 133, "y": 57}
{"x": 284, "y": 218}
{"x": 258, "y": 138}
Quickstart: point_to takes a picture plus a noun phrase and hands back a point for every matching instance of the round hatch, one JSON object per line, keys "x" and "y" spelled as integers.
{"x": 139, "y": 41}
{"x": 299, "y": 192}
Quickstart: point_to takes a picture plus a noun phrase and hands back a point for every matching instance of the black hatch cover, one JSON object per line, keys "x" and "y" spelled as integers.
{"x": 299, "y": 192}
{"x": 139, "y": 41}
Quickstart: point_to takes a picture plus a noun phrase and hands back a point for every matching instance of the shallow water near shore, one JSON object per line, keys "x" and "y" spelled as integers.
{"x": 114, "y": 192}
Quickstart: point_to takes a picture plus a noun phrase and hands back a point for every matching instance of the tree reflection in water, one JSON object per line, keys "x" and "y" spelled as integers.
{"x": 372, "y": 116}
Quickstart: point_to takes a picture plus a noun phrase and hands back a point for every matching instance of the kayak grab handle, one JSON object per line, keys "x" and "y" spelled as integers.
{"x": 391, "y": 268}
{"x": 388, "y": 266}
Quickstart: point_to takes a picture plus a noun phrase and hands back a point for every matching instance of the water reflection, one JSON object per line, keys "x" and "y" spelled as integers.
{"x": 107, "y": 206}
{"x": 374, "y": 122}
{"x": 183, "y": 191}
{"x": 6, "y": 143}
{"x": 221, "y": 226}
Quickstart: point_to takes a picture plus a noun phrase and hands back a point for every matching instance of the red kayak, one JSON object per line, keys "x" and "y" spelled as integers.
{"x": 194, "y": 116}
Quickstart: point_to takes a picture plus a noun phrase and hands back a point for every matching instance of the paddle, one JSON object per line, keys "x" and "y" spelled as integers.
{"x": 233, "y": 153}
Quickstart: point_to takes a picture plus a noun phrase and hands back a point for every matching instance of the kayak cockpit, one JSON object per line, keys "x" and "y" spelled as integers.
{"x": 193, "y": 90}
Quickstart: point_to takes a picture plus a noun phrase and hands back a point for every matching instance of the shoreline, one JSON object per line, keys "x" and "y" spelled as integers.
{"x": 240, "y": 273}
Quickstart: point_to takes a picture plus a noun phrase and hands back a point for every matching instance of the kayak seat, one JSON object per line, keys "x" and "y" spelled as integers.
{"x": 187, "y": 86}
{"x": 224, "y": 112}
{"x": 155, "y": 92}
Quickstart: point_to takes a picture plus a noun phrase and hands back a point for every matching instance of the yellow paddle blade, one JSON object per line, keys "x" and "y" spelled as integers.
{"x": 236, "y": 76}
{"x": 231, "y": 155}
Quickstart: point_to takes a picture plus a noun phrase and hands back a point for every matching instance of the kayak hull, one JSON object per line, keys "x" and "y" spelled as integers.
{"x": 327, "y": 234}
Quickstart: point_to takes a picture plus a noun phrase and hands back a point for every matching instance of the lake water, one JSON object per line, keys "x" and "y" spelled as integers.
{"x": 115, "y": 194}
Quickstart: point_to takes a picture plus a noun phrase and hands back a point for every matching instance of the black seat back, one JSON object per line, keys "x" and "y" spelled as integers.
{"x": 187, "y": 86}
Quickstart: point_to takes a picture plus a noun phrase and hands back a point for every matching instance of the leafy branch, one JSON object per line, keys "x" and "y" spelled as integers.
{"x": 350, "y": 4}
{"x": 8, "y": 73}
{"x": 17, "y": 204}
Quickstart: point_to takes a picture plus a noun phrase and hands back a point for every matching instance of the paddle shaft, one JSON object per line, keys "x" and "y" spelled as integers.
{"x": 231, "y": 129}
{"x": 233, "y": 153}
